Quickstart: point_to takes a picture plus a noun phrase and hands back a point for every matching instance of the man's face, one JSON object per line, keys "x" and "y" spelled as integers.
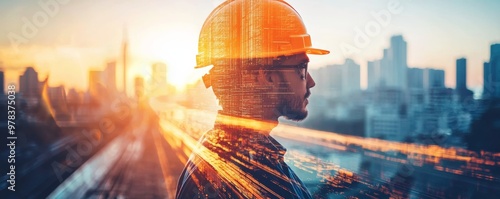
{"x": 294, "y": 88}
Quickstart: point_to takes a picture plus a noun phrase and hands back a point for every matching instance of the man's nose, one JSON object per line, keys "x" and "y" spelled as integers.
{"x": 310, "y": 81}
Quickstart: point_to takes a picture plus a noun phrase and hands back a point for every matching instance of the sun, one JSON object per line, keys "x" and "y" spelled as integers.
{"x": 176, "y": 47}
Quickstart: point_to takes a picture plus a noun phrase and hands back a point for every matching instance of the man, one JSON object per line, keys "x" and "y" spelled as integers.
{"x": 258, "y": 49}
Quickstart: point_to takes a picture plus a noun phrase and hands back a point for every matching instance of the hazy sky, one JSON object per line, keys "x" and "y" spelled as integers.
{"x": 82, "y": 35}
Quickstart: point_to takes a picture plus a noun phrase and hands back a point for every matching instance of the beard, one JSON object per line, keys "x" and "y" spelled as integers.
{"x": 292, "y": 107}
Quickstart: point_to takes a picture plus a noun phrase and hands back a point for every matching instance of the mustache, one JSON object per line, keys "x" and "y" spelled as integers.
{"x": 308, "y": 93}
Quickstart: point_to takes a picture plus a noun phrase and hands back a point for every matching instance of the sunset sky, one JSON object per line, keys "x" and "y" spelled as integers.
{"x": 82, "y": 35}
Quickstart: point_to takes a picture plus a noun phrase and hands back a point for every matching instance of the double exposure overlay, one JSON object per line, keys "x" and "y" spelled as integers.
{"x": 250, "y": 99}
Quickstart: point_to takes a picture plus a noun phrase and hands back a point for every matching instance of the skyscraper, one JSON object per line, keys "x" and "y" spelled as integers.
{"x": 95, "y": 83}
{"x": 415, "y": 78}
{"x": 328, "y": 81}
{"x": 461, "y": 78}
{"x": 487, "y": 81}
{"x": 350, "y": 77}
{"x": 433, "y": 78}
{"x": 494, "y": 65}
{"x": 109, "y": 76}
{"x": 492, "y": 74}
{"x": 124, "y": 57}
{"x": 393, "y": 65}
{"x": 2, "y": 83}
{"x": 28, "y": 83}
{"x": 374, "y": 75}
{"x": 397, "y": 64}
{"x": 57, "y": 97}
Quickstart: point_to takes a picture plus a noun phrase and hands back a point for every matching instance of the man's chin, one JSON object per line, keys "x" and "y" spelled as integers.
{"x": 296, "y": 115}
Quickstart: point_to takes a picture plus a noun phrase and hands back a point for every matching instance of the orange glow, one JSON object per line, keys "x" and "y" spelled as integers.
{"x": 45, "y": 99}
{"x": 430, "y": 153}
{"x": 182, "y": 127}
{"x": 174, "y": 46}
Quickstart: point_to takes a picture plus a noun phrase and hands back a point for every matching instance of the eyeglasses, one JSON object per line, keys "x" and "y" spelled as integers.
{"x": 301, "y": 69}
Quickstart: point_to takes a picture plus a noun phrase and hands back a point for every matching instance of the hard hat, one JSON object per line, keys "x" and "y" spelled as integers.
{"x": 246, "y": 29}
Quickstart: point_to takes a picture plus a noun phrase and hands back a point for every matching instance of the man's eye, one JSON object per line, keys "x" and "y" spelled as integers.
{"x": 303, "y": 74}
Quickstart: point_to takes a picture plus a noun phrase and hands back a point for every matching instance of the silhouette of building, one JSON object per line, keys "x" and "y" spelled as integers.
{"x": 124, "y": 57}
{"x": 28, "y": 83}
{"x": 338, "y": 80}
{"x": 109, "y": 76}
{"x": 57, "y": 97}
{"x": 415, "y": 78}
{"x": 2, "y": 83}
{"x": 374, "y": 74}
{"x": 433, "y": 78}
{"x": 350, "y": 77}
{"x": 461, "y": 81}
{"x": 387, "y": 117}
{"x": 391, "y": 70}
{"x": 492, "y": 73}
{"x": 487, "y": 81}
{"x": 398, "y": 62}
{"x": 96, "y": 85}
{"x": 328, "y": 81}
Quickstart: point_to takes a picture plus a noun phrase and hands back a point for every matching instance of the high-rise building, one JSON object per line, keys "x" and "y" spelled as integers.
{"x": 337, "y": 80}
{"x": 494, "y": 69}
{"x": 124, "y": 57}
{"x": 491, "y": 74}
{"x": 461, "y": 81}
{"x": 328, "y": 81}
{"x": 415, "y": 78}
{"x": 433, "y": 78}
{"x": 487, "y": 81}
{"x": 391, "y": 70}
{"x": 57, "y": 97}
{"x": 374, "y": 75}
{"x": 461, "y": 78}
{"x": 96, "y": 84}
{"x": 28, "y": 83}
{"x": 394, "y": 64}
{"x": 2, "y": 83}
{"x": 109, "y": 76}
{"x": 387, "y": 117}
{"x": 350, "y": 77}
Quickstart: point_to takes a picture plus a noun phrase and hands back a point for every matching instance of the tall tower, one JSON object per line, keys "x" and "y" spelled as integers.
{"x": 2, "y": 82}
{"x": 124, "y": 56}
{"x": 28, "y": 83}
{"x": 492, "y": 73}
{"x": 109, "y": 76}
{"x": 461, "y": 78}
{"x": 398, "y": 64}
{"x": 495, "y": 69}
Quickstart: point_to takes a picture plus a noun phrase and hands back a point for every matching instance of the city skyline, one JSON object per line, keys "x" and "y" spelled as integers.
{"x": 57, "y": 48}
{"x": 109, "y": 73}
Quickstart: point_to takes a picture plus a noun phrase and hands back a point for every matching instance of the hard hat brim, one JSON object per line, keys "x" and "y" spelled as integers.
{"x": 316, "y": 51}
{"x": 307, "y": 50}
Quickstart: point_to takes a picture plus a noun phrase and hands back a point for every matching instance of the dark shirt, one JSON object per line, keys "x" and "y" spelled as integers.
{"x": 234, "y": 162}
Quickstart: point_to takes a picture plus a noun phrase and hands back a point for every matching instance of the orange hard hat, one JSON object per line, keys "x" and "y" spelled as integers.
{"x": 246, "y": 29}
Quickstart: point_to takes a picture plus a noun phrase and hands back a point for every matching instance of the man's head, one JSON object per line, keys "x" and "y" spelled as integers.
{"x": 294, "y": 86}
{"x": 259, "y": 52}
{"x": 279, "y": 88}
